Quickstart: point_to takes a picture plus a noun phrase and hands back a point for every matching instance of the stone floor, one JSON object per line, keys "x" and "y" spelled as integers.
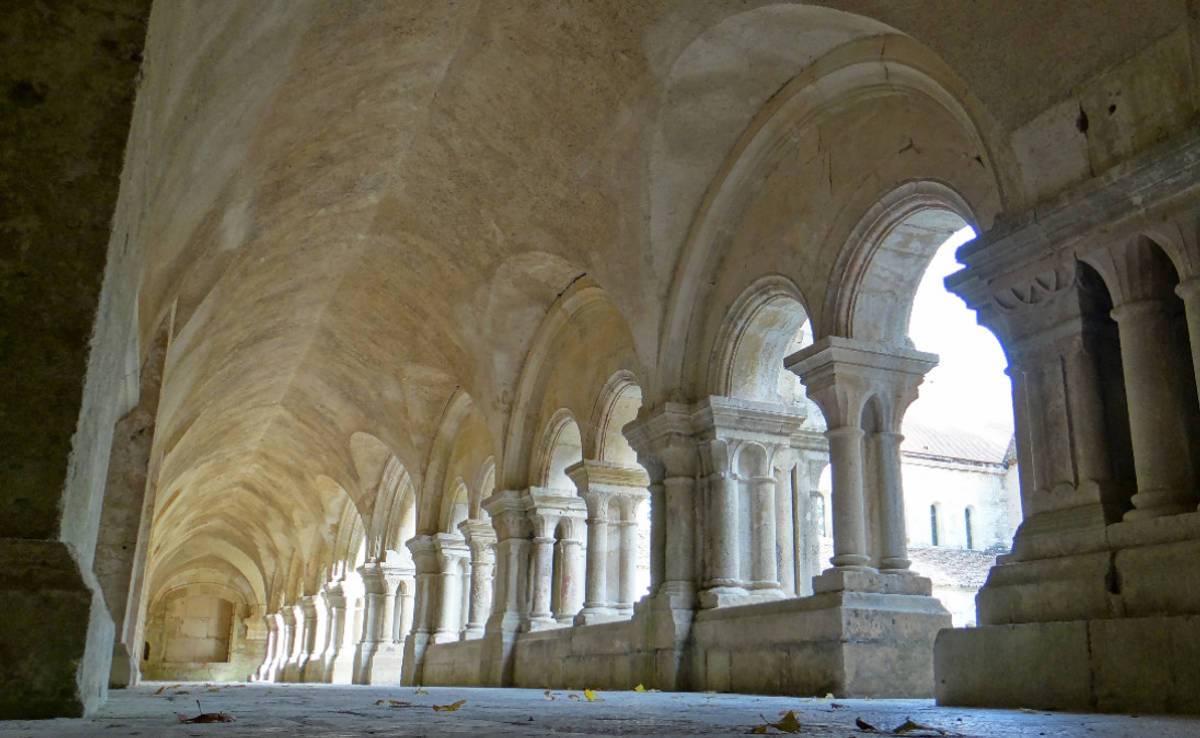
{"x": 310, "y": 710}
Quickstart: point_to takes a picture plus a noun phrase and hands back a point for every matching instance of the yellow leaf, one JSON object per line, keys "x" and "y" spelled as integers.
{"x": 640, "y": 688}
{"x": 788, "y": 724}
{"x": 590, "y": 695}
{"x": 449, "y": 708}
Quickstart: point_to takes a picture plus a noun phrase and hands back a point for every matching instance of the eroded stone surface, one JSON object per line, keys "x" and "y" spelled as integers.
{"x": 340, "y": 711}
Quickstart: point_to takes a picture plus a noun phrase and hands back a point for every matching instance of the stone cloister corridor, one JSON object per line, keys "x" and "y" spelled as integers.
{"x": 351, "y": 348}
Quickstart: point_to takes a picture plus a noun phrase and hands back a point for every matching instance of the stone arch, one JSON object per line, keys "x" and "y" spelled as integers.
{"x": 850, "y": 75}
{"x": 760, "y": 329}
{"x": 616, "y": 405}
{"x": 561, "y": 446}
{"x": 582, "y": 342}
{"x": 885, "y": 257}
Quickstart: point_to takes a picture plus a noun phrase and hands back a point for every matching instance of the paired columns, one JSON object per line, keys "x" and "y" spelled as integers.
{"x": 612, "y": 494}
{"x": 481, "y": 540}
{"x": 556, "y": 568}
{"x": 381, "y": 650}
{"x": 863, "y": 390}
{"x": 745, "y": 454}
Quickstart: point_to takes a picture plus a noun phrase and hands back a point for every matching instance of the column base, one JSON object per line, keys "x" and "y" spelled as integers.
{"x": 849, "y": 643}
{"x": 472, "y": 632}
{"x": 723, "y": 596}
{"x": 340, "y": 670}
{"x": 590, "y": 615}
{"x": 386, "y": 664}
{"x": 50, "y": 602}
{"x": 541, "y": 622}
{"x": 1140, "y": 665}
{"x": 870, "y": 580}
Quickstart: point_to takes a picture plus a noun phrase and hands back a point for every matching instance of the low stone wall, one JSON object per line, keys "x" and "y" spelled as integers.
{"x": 601, "y": 656}
{"x": 455, "y": 664}
{"x": 845, "y": 643}
{"x": 197, "y": 671}
{"x": 859, "y": 644}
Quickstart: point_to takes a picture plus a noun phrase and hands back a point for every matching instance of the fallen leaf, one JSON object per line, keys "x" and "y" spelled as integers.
{"x": 449, "y": 708}
{"x": 759, "y": 730}
{"x": 640, "y": 688}
{"x": 421, "y": 690}
{"x": 788, "y": 724}
{"x": 547, "y": 695}
{"x": 864, "y": 726}
{"x": 574, "y": 697}
{"x": 590, "y": 695}
{"x": 838, "y": 706}
{"x": 380, "y": 702}
{"x": 911, "y": 726}
{"x": 160, "y": 689}
{"x": 213, "y": 689}
{"x": 399, "y": 703}
{"x": 183, "y": 691}
{"x": 208, "y": 717}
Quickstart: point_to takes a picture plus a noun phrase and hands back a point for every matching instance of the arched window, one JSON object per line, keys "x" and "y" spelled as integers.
{"x": 933, "y": 525}
{"x": 968, "y": 527}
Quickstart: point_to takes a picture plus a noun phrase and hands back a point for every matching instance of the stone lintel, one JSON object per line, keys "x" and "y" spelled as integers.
{"x": 1098, "y": 211}
{"x": 717, "y": 417}
{"x": 604, "y": 476}
{"x": 836, "y": 355}
{"x": 551, "y": 501}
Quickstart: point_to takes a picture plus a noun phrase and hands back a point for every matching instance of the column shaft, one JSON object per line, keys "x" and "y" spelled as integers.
{"x": 849, "y": 520}
{"x": 893, "y": 543}
{"x": 1157, "y": 427}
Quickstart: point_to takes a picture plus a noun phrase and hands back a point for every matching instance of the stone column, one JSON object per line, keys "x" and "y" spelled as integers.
{"x": 785, "y": 531}
{"x": 509, "y": 515}
{"x": 425, "y": 607}
{"x": 722, "y": 581}
{"x": 1189, "y": 291}
{"x": 602, "y": 484}
{"x": 452, "y": 550}
{"x": 381, "y": 658}
{"x": 628, "y": 502}
{"x": 263, "y": 674}
{"x": 296, "y": 637}
{"x": 549, "y": 510}
{"x": 316, "y": 615}
{"x": 841, "y": 376}
{"x": 481, "y": 540}
{"x": 570, "y": 553}
{"x": 283, "y": 643}
{"x": 1158, "y": 427}
{"x": 542, "y": 554}
{"x": 339, "y": 660}
{"x": 763, "y": 571}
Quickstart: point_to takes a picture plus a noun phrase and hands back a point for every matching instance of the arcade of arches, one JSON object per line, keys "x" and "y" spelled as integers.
{"x": 504, "y": 344}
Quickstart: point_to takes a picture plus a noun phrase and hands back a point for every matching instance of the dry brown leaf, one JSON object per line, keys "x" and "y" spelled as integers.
{"x": 160, "y": 689}
{"x": 208, "y": 717}
{"x": 760, "y": 730}
{"x": 788, "y": 724}
{"x": 213, "y": 689}
{"x": 380, "y": 702}
{"x": 449, "y": 708}
{"x": 399, "y": 703}
{"x": 911, "y": 726}
{"x": 865, "y": 727}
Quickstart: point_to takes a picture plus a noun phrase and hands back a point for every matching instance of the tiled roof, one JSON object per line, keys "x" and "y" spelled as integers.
{"x": 952, "y": 566}
{"x": 985, "y": 445}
